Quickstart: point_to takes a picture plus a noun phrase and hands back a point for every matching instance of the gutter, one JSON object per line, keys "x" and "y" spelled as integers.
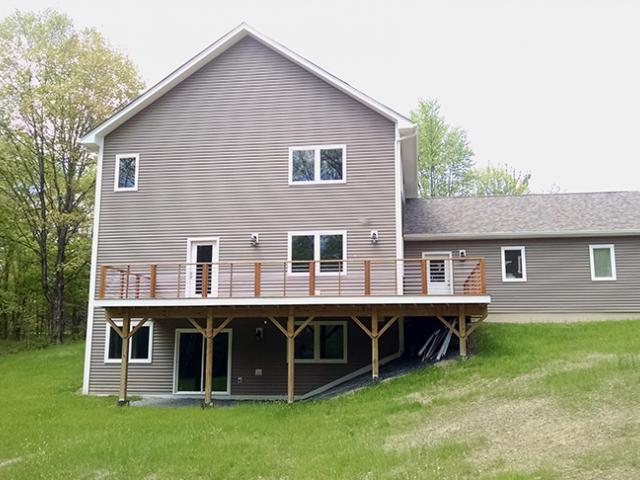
{"x": 527, "y": 234}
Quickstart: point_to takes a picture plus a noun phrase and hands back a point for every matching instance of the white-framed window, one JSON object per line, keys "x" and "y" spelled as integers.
{"x": 603, "y": 262}
{"x": 126, "y": 172}
{"x": 322, "y": 341}
{"x": 140, "y": 345}
{"x": 329, "y": 245}
{"x": 318, "y": 164}
{"x": 514, "y": 264}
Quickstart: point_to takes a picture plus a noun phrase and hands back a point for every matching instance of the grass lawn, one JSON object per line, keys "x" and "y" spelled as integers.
{"x": 534, "y": 402}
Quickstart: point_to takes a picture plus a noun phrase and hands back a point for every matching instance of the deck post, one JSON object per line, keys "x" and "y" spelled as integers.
{"x": 290, "y": 356}
{"x": 375, "y": 357}
{"x": 462, "y": 328}
{"x": 208, "y": 361}
{"x": 124, "y": 360}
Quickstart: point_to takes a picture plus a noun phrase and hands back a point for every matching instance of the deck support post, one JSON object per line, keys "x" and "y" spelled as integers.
{"x": 208, "y": 361}
{"x": 462, "y": 328}
{"x": 290, "y": 356}
{"x": 375, "y": 357}
{"x": 124, "y": 360}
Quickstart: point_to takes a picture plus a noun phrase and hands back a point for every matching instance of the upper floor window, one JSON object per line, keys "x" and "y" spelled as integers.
{"x": 139, "y": 344}
{"x": 514, "y": 264}
{"x": 320, "y": 164}
{"x": 127, "y": 172}
{"x": 603, "y": 262}
{"x": 330, "y": 247}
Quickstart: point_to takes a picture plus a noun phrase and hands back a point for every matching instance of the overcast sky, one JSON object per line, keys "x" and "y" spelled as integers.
{"x": 549, "y": 87}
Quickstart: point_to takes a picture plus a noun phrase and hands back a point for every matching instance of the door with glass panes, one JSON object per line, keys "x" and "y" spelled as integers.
{"x": 202, "y": 268}
{"x": 190, "y": 362}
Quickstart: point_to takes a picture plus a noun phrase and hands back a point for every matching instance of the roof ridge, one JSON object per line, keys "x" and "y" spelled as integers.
{"x": 467, "y": 197}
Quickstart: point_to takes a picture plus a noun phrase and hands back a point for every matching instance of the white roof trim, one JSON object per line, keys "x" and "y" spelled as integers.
{"x": 514, "y": 235}
{"x": 211, "y": 52}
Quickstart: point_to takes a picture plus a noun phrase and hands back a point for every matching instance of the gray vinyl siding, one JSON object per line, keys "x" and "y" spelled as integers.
{"x": 214, "y": 163}
{"x": 558, "y": 274}
{"x": 248, "y": 354}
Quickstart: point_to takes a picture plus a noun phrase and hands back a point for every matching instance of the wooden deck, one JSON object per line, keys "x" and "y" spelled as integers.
{"x": 289, "y": 279}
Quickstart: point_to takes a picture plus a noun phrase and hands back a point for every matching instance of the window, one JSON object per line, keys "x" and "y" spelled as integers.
{"x": 126, "y": 175}
{"x": 330, "y": 247}
{"x": 322, "y": 341}
{"x": 603, "y": 262}
{"x": 514, "y": 264}
{"x": 323, "y": 164}
{"x": 139, "y": 344}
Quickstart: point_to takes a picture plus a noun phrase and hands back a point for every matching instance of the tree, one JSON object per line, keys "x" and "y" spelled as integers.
{"x": 444, "y": 156}
{"x": 500, "y": 180}
{"x": 55, "y": 83}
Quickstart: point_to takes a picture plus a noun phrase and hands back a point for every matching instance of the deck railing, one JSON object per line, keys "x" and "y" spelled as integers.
{"x": 335, "y": 278}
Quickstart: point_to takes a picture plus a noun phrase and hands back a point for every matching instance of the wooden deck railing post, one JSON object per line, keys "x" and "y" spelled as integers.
{"x": 126, "y": 283}
{"x": 483, "y": 279}
{"x": 367, "y": 277}
{"x": 124, "y": 360}
{"x": 423, "y": 276}
{"x": 153, "y": 275}
{"x": 256, "y": 279}
{"x": 204, "y": 283}
{"x": 138, "y": 280}
{"x": 103, "y": 281}
{"x": 312, "y": 278}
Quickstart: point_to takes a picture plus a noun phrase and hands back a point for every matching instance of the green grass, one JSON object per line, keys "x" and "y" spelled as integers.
{"x": 534, "y": 402}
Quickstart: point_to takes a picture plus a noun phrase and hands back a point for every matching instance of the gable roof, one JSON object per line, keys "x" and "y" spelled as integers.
{"x": 91, "y": 139}
{"x": 527, "y": 216}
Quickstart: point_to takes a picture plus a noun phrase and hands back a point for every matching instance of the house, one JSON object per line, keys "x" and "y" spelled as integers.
{"x": 257, "y": 235}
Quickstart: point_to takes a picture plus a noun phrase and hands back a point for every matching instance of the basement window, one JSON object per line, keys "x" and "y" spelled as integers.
{"x": 514, "y": 264}
{"x": 318, "y": 164}
{"x": 126, "y": 174}
{"x": 603, "y": 262}
{"x": 139, "y": 344}
{"x": 323, "y": 341}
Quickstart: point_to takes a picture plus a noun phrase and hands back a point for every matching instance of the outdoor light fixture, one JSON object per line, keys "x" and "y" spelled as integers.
{"x": 255, "y": 239}
{"x": 374, "y": 236}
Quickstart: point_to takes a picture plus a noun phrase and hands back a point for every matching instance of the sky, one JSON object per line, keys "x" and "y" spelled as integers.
{"x": 548, "y": 87}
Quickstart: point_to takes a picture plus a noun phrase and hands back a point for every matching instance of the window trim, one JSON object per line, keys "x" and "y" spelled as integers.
{"x": 316, "y": 324}
{"x": 316, "y": 164}
{"x": 316, "y": 250}
{"x": 133, "y": 323}
{"x": 524, "y": 263}
{"x": 612, "y": 257}
{"x": 116, "y": 175}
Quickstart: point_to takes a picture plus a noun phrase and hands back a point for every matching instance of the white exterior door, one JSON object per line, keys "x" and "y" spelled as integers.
{"x": 200, "y": 252}
{"x": 439, "y": 274}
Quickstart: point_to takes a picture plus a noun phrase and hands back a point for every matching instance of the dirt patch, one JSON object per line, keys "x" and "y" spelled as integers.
{"x": 523, "y": 434}
{"x": 10, "y": 461}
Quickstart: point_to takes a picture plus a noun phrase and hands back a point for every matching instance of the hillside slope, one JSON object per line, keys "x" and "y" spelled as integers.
{"x": 534, "y": 402}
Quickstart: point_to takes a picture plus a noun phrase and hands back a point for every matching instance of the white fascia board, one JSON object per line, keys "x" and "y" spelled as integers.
{"x": 251, "y": 301}
{"x": 211, "y": 52}
{"x": 412, "y": 237}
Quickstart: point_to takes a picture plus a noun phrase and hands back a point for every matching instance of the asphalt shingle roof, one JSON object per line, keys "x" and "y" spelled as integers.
{"x": 563, "y": 213}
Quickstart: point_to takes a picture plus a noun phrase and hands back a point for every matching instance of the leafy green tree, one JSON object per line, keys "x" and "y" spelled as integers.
{"x": 55, "y": 83}
{"x": 500, "y": 180}
{"x": 444, "y": 157}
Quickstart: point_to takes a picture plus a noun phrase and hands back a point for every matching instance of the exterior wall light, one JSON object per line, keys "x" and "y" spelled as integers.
{"x": 374, "y": 236}
{"x": 255, "y": 239}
